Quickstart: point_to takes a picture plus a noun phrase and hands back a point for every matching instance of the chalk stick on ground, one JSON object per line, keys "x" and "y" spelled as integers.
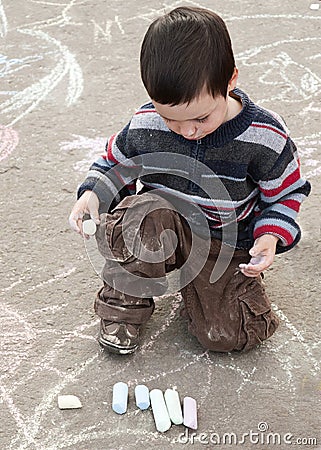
{"x": 89, "y": 227}
{"x": 69, "y": 402}
{"x": 173, "y": 406}
{"x": 120, "y": 397}
{"x": 160, "y": 413}
{"x": 142, "y": 396}
{"x": 190, "y": 412}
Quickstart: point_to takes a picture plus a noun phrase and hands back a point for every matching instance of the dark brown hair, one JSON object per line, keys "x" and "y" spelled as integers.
{"x": 182, "y": 52}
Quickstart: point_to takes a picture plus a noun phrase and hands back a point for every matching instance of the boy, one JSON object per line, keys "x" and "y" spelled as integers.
{"x": 221, "y": 184}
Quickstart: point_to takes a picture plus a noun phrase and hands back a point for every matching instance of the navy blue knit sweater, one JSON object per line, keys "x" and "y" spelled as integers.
{"x": 246, "y": 171}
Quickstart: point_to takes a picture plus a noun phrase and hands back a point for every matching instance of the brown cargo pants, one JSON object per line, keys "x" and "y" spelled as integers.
{"x": 233, "y": 313}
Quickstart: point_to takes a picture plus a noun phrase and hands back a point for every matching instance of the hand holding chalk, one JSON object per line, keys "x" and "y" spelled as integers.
{"x": 88, "y": 203}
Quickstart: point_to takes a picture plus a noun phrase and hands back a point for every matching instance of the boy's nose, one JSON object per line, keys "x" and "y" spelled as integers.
{"x": 187, "y": 130}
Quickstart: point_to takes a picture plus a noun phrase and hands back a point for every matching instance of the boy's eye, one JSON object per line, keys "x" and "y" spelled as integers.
{"x": 204, "y": 119}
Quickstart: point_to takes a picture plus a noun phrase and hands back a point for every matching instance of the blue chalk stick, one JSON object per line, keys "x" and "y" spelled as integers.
{"x": 120, "y": 397}
{"x": 142, "y": 396}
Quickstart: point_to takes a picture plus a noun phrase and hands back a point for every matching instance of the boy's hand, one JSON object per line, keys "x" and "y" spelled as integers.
{"x": 88, "y": 203}
{"x": 262, "y": 252}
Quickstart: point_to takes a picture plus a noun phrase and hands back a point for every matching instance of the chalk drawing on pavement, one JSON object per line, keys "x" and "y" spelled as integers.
{"x": 8, "y": 141}
{"x": 94, "y": 147}
{"x": 210, "y": 368}
{"x": 3, "y": 21}
{"x": 284, "y": 350}
{"x": 22, "y": 102}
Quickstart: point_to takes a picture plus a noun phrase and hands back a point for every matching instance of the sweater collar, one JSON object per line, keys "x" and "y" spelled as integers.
{"x": 232, "y": 128}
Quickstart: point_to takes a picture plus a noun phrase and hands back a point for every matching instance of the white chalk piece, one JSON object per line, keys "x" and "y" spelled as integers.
{"x": 69, "y": 402}
{"x": 160, "y": 413}
{"x": 190, "y": 412}
{"x": 120, "y": 397}
{"x": 315, "y": 6}
{"x": 142, "y": 396}
{"x": 173, "y": 406}
{"x": 89, "y": 227}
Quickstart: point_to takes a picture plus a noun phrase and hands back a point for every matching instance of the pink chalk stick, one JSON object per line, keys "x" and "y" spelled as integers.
{"x": 190, "y": 413}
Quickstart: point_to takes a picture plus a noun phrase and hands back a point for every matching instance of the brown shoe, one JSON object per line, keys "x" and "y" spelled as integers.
{"x": 120, "y": 338}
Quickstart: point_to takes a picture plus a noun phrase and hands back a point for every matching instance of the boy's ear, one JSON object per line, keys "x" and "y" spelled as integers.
{"x": 233, "y": 81}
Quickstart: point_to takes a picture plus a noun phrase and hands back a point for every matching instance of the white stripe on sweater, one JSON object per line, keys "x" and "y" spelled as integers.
{"x": 263, "y": 136}
{"x": 206, "y": 202}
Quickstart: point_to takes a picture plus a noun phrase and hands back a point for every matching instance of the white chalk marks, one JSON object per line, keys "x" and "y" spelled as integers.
{"x": 104, "y": 32}
{"x": 94, "y": 147}
{"x": 63, "y": 18}
{"x": 40, "y": 426}
{"x": 14, "y": 340}
{"x": 309, "y": 149}
{"x": 287, "y": 79}
{"x": 3, "y": 21}
{"x": 19, "y": 338}
{"x": 48, "y": 57}
{"x": 22, "y": 102}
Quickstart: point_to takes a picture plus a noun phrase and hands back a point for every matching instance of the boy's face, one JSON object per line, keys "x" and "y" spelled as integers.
{"x": 202, "y": 115}
{"x": 196, "y": 119}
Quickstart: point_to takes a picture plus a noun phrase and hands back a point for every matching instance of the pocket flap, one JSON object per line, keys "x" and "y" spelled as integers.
{"x": 256, "y": 308}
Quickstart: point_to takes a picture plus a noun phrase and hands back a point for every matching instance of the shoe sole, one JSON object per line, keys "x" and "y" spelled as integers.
{"x": 116, "y": 349}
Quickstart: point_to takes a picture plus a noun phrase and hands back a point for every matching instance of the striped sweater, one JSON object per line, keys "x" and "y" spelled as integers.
{"x": 246, "y": 171}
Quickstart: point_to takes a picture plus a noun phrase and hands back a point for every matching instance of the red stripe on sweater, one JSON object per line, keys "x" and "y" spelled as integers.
{"x": 110, "y": 155}
{"x": 130, "y": 186}
{"x": 273, "y": 229}
{"x": 143, "y": 111}
{"x": 208, "y": 208}
{"x": 293, "y": 204}
{"x": 246, "y": 211}
{"x": 119, "y": 177}
{"x": 267, "y": 127}
{"x": 289, "y": 180}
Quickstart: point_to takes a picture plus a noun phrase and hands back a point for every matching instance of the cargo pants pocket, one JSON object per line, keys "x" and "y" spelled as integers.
{"x": 109, "y": 238}
{"x": 258, "y": 320}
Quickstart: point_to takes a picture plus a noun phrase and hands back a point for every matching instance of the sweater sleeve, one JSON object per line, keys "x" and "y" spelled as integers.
{"x": 112, "y": 176}
{"x": 282, "y": 191}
